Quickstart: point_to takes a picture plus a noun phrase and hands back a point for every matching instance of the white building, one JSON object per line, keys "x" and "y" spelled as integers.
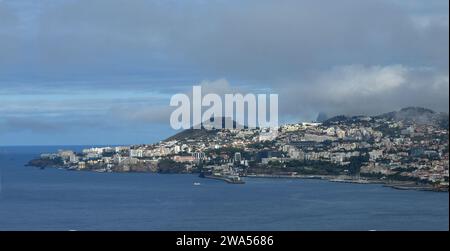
{"x": 136, "y": 153}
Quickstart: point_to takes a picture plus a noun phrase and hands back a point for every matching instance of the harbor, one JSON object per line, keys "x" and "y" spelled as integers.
{"x": 231, "y": 179}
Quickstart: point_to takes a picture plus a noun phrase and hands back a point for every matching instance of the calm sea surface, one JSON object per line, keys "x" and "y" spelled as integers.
{"x": 53, "y": 199}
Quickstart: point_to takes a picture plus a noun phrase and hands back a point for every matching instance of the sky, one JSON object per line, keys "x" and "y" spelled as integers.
{"x": 97, "y": 72}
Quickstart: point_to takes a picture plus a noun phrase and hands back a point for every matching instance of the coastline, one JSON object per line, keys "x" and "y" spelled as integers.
{"x": 229, "y": 180}
{"x": 400, "y": 185}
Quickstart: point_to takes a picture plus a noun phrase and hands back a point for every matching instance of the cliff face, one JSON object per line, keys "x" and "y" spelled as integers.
{"x": 42, "y": 163}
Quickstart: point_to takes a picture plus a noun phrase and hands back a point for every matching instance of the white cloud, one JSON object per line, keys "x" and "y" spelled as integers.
{"x": 352, "y": 57}
{"x": 358, "y": 89}
{"x": 355, "y": 80}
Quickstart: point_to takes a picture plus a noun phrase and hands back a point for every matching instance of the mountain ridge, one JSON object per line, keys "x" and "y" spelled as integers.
{"x": 411, "y": 114}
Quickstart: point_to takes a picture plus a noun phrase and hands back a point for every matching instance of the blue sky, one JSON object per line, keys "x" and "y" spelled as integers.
{"x": 103, "y": 71}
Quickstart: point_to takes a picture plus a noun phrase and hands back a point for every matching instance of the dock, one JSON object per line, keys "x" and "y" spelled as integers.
{"x": 227, "y": 179}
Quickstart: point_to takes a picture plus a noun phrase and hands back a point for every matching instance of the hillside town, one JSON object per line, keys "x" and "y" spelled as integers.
{"x": 388, "y": 148}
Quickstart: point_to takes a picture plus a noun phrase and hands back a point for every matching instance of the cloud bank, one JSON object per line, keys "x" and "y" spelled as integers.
{"x": 117, "y": 62}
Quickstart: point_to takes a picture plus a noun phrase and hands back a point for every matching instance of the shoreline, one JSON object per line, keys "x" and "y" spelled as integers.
{"x": 399, "y": 185}
{"x": 224, "y": 178}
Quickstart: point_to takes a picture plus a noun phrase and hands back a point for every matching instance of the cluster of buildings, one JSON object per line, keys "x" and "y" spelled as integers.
{"x": 381, "y": 147}
{"x": 384, "y": 147}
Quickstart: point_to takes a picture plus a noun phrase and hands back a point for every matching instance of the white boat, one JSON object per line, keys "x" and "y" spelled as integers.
{"x": 196, "y": 183}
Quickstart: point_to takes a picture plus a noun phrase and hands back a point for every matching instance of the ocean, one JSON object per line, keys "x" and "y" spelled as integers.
{"x": 55, "y": 199}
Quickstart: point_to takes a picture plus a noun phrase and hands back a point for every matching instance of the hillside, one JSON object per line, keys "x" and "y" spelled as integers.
{"x": 205, "y": 131}
{"x": 418, "y": 115}
{"x": 413, "y": 115}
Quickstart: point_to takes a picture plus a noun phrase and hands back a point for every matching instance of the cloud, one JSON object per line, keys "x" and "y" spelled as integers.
{"x": 254, "y": 41}
{"x": 118, "y": 62}
{"x": 359, "y": 89}
{"x": 356, "y": 80}
{"x": 9, "y": 42}
{"x": 143, "y": 114}
{"x": 15, "y": 124}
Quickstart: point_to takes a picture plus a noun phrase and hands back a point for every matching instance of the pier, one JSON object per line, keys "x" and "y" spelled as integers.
{"x": 227, "y": 179}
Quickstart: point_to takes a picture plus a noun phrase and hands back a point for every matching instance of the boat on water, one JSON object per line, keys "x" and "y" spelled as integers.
{"x": 197, "y": 184}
